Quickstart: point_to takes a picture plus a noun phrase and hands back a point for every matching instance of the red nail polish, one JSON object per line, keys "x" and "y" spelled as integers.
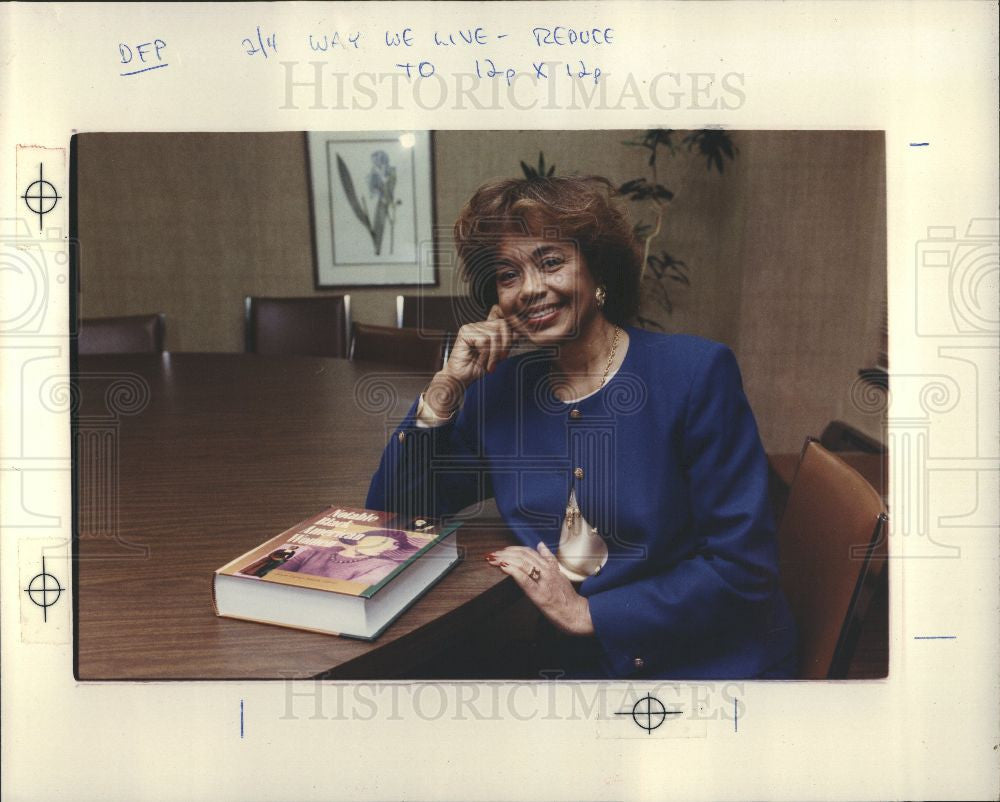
{"x": 503, "y": 565}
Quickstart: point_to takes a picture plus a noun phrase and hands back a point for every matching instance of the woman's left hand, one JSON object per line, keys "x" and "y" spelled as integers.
{"x": 550, "y": 591}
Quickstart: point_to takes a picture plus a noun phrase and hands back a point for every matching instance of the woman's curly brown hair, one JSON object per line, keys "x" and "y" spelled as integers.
{"x": 585, "y": 210}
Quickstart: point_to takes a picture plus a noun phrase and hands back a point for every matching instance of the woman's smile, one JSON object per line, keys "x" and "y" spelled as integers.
{"x": 541, "y": 315}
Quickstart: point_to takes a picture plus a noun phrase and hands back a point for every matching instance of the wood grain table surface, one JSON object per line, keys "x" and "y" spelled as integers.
{"x": 185, "y": 461}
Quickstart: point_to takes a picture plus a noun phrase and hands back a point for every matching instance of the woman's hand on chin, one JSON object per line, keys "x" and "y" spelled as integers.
{"x": 480, "y": 346}
{"x": 551, "y": 592}
{"x": 477, "y": 350}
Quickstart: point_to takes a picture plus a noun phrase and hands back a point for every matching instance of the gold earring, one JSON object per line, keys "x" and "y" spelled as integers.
{"x": 602, "y": 295}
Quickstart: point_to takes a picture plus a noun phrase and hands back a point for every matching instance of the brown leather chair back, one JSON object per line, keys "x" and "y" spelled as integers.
{"x": 405, "y": 348}
{"x": 840, "y": 436}
{"x": 833, "y": 546}
{"x": 304, "y": 326}
{"x": 440, "y": 312}
{"x": 129, "y": 334}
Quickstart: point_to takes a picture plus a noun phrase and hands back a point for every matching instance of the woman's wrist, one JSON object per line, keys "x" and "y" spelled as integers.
{"x": 584, "y": 623}
{"x": 576, "y": 620}
{"x": 443, "y": 395}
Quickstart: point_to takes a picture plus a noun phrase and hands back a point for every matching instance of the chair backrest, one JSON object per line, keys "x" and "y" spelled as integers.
{"x": 317, "y": 326}
{"x": 129, "y": 334}
{"x": 833, "y": 546}
{"x": 840, "y": 436}
{"x": 442, "y": 312}
{"x": 405, "y": 348}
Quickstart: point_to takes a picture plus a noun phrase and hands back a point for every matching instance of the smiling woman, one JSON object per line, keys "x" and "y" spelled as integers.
{"x": 626, "y": 463}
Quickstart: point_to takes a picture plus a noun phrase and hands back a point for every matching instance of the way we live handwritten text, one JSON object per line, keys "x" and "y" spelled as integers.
{"x": 477, "y": 38}
{"x": 558, "y": 36}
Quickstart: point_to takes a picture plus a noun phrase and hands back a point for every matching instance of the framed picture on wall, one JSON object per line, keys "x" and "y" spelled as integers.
{"x": 372, "y": 206}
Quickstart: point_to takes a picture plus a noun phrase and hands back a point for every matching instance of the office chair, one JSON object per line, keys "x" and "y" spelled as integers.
{"x": 406, "y": 348}
{"x": 318, "y": 326}
{"x": 129, "y": 334}
{"x": 832, "y": 542}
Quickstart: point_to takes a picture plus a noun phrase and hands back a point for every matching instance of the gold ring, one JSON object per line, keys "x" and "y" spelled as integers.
{"x": 534, "y": 573}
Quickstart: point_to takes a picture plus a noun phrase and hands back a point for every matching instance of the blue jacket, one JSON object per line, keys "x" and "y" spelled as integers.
{"x": 674, "y": 477}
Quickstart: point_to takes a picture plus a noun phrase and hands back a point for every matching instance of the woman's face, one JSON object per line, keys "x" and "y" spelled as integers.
{"x": 374, "y": 545}
{"x": 544, "y": 289}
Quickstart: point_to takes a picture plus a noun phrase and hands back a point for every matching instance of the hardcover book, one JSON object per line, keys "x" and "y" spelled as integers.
{"x": 344, "y": 571}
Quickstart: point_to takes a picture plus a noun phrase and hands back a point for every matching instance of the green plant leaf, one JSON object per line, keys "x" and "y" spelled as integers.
{"x": 660, "y": 191}
{"x": 713, "y": 144}
{"x": 640, "y": 189}
{"x": 348, "y": 184}
{"x": 379, "y": 228}
{"x": 631, "y": 186}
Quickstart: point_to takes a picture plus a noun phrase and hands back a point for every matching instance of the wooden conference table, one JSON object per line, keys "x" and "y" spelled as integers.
{"x": 186, "y": 461}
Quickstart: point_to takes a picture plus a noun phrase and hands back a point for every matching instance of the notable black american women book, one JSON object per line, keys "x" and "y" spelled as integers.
{"x": 344, "y": 571}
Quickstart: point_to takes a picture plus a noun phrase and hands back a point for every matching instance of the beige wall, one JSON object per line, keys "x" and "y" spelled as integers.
{"x": 786, "y": 249}
{"x": 813, "y": 283}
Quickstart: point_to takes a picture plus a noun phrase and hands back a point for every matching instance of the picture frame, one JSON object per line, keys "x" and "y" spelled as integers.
{"x": 372, "y": 208}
